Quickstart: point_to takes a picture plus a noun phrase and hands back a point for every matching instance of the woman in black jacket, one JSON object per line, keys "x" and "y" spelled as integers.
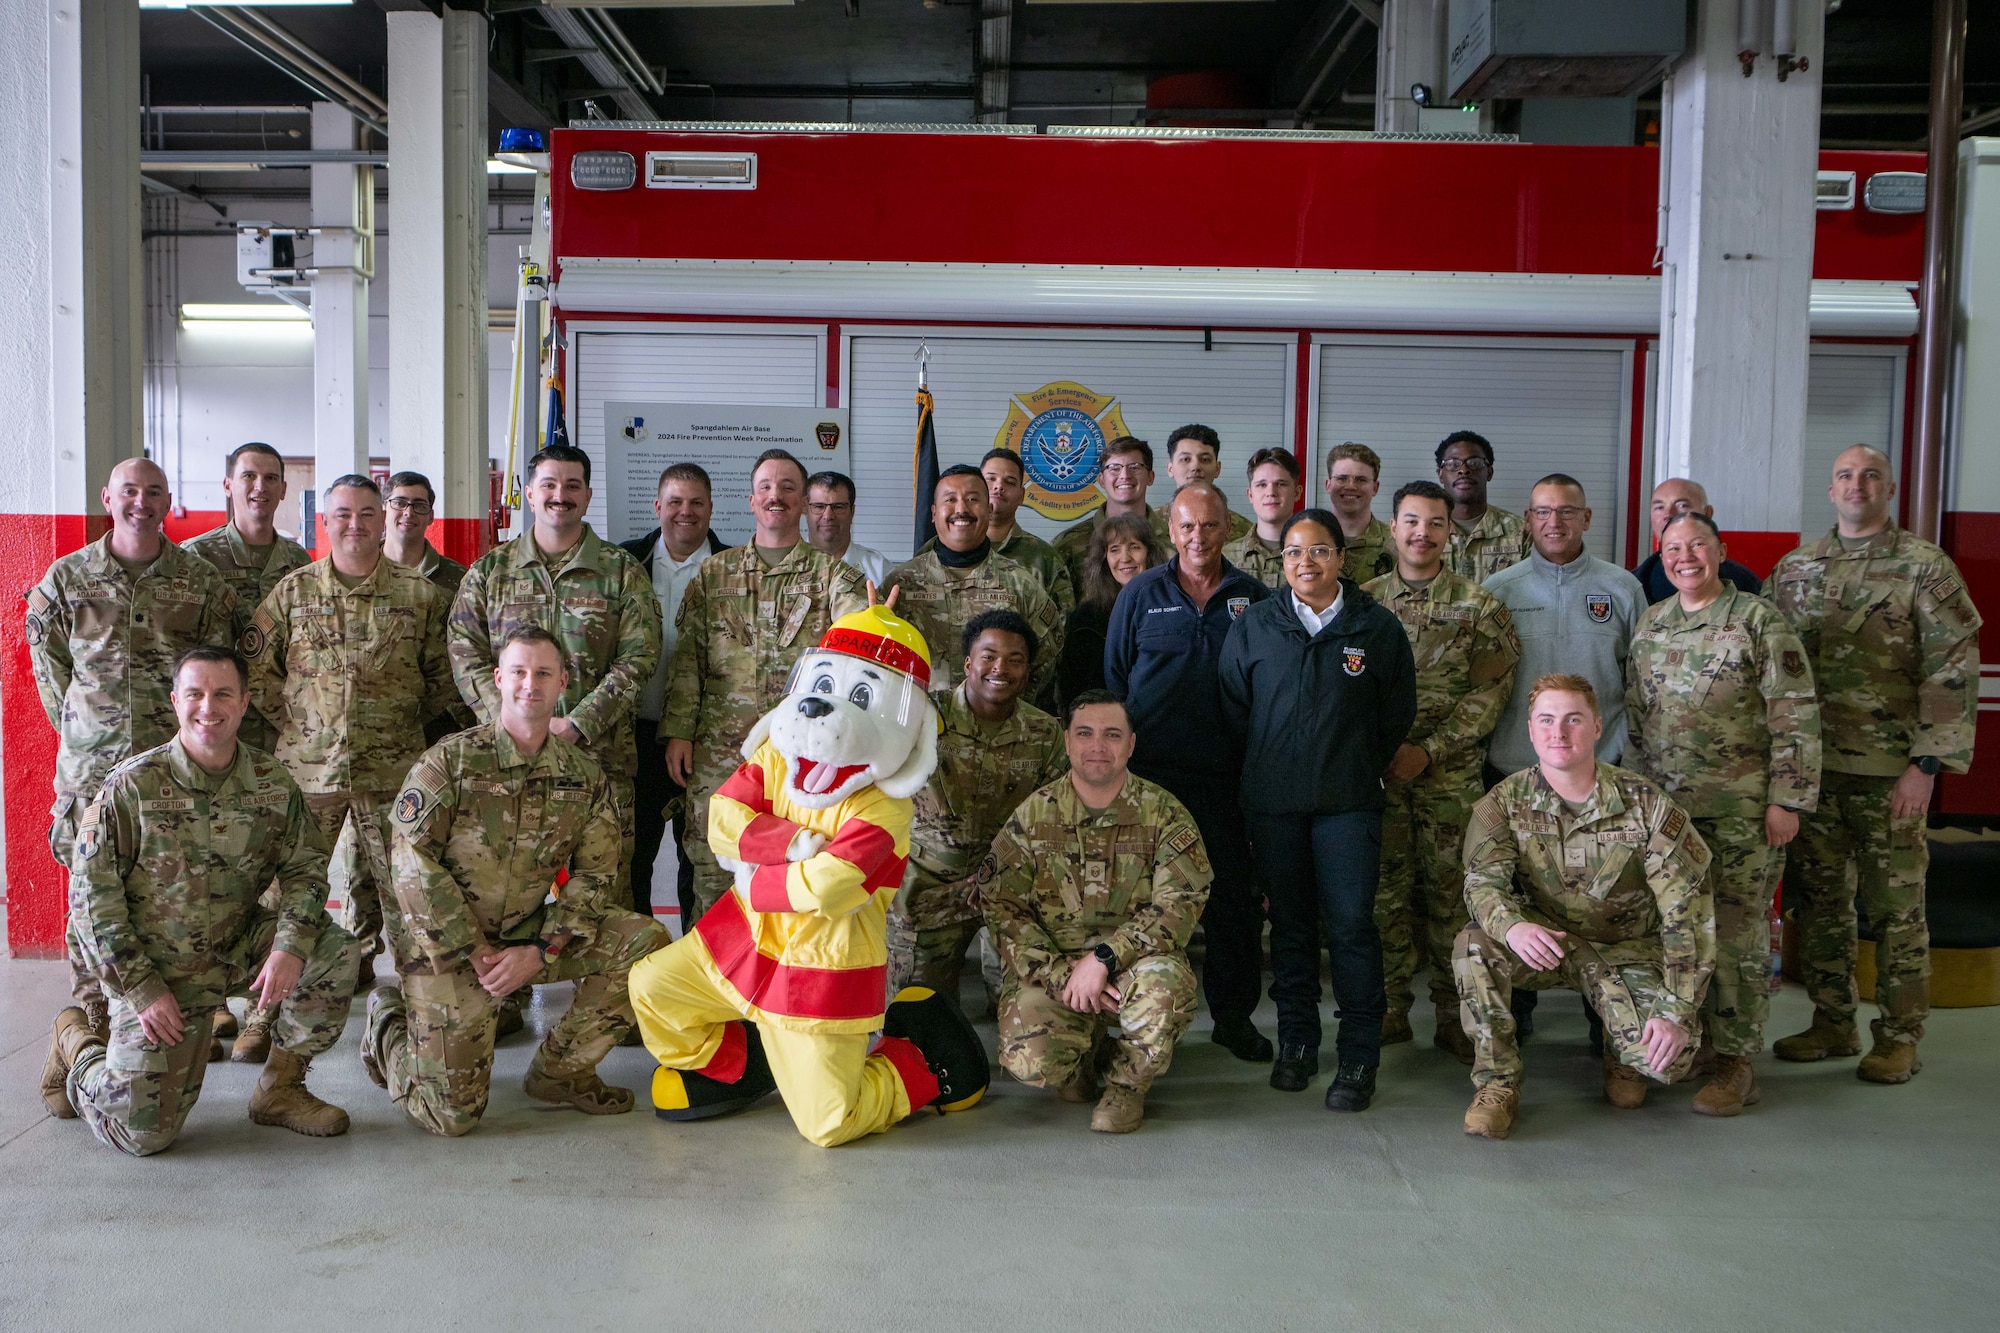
{"x": 1320, "y": 687}
{"x": 1123, "y": 547}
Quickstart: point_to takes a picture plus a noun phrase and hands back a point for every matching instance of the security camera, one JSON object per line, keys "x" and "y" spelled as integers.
{"x": 1420, "y": 93}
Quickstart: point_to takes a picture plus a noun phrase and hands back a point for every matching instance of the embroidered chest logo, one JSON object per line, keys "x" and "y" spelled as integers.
{"x": 1598, "y": 605}
{"x": 1353, "y": 660}
{"x": 1237, "y": 606}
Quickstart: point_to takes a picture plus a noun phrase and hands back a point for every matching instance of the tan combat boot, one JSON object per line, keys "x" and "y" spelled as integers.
{"x": 1889, "y": 1061}
{"x": 1491, "y": 1115}
{"x": 1732, "y": 1087}
{"x": 1082, "y": 1085}
{"x": 1824, "y": 1040}
{"x": 225, "y": 1022}
{"x": 1624, "y": 1086}
{"x": 71, "y": 1036}
{"x": 281, "y": 1099}
{"x": 1119, "y": 1111}
{"x": 510, "y": 1020}
{"x": 1704, "y": 1059}
{"x": 1396, "y": 1028}
{"x": 253, "y": 1044}
{"x": 586, "y": 1091}
{"x": 1451, "y": 1039}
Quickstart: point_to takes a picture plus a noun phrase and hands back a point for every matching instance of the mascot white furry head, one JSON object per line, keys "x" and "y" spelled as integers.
{"x": 856, "y": 713}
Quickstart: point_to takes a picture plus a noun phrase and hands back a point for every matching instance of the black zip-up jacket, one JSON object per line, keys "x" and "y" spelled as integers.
{"x": 642, "y": 549}
{"x": 1319, "y": 717}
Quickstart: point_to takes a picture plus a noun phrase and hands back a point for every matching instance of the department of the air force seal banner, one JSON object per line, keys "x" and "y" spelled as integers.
{"x": 1060, "y": 431}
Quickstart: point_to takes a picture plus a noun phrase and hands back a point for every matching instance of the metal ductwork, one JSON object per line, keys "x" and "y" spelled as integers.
{"x": 1562, "y": 48}
{"x": 609, "y": 56}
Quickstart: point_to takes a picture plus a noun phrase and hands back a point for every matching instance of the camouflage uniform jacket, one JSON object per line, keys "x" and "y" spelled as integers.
{"x": 1627, "y": 875}
{"x": 1497, "y": 540}
{"x": 741, "y": 628}
{"x": 984, "y": 771}
{"x": 602, "y": 610}
{"x": 441, "y": 570}
{"x": 1261, "y": 562}
{"x": 1372, "y": 554}
{"x": 171, "y": 860}
{"x": 103, "y": 650}
{"x": 1061, "y": 879}
{"x": 1073, "y": 542}
{"x": 350, "y": 675}
{"x": 1465, "y": 648}
{"x": 1039, "y": 558}
{"x": 1721, "y": 708}
{"x": 940, "y": 600}
{"x": 1894, "y": 642}
{"x": 479, "y": 835}
{"x": 225, "y": 548}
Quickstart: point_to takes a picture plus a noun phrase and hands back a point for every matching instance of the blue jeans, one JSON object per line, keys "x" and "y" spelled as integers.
{"x": 1324, "y": 868}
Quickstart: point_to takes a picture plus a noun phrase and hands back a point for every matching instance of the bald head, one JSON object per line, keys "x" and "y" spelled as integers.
{"x": 1862, "y": 490}
{"x": 137, "y": 499}
{"x": 1198, "y": 522}
{"x": 1675, "y": 496}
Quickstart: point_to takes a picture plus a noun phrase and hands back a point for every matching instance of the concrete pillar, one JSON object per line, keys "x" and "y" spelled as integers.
{"x": 1737, "y": 181}
{"x": 71, "y": 338}
{"x": 438, "y": 265}
{"x": 1410, "y": 49}
{"x": 343, "y": 207}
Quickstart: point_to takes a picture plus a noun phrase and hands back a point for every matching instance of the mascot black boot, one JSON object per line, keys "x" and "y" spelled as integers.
{"x": 950, "y": 1047}
{"x": 736, "y": 1079}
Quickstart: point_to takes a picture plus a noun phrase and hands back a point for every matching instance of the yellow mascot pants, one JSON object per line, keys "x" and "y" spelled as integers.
{"x": 835, "y": 1090}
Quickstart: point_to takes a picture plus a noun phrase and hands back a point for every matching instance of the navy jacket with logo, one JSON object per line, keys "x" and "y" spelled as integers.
{"x": 1319, "y": 716}
{"x": 1161, "y": 656}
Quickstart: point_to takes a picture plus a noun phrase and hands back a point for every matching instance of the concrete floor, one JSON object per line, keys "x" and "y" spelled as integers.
{"x": 1833, "y": 1205}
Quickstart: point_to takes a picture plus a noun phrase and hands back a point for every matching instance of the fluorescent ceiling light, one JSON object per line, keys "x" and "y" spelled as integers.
{"x": 500, "y": 167}
{"x": 195, "y": 313}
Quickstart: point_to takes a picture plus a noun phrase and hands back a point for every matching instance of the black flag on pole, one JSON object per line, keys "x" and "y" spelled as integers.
{"x": 925, "y": 471}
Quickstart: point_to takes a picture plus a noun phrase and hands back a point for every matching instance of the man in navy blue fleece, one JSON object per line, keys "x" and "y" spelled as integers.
{"x": 1161, "y": 653}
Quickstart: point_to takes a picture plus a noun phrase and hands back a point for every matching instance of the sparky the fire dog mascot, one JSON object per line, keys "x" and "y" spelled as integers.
{"x": 780, "y": 985}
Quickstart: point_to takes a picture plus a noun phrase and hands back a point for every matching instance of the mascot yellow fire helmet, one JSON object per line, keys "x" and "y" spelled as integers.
{"x": 880, "y": 636}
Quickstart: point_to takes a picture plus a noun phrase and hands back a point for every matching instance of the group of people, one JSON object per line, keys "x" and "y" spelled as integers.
{"x": 1451, "y": 740}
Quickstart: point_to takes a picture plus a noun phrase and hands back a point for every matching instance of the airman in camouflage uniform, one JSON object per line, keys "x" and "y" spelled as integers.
{"x": 481, "y": 832}
{"x": 170, "y": 864}
{"x": 1369, "y": 556}
{"x": 984, "y": 771}
{"x": 102, "y": 644}
{"x": 1062, "y": 880}
{"x": 1893, "y": 640}
{"x": 940, "y": 600}
{"x": 1722, "y": 716}
{"x": 1625, "y": 878}
{"x": 1257, "y": 558}
{"x": 741, "y": 626}
{"x": 1490, "y": 544}
{"x": 236, "y": 559}
{"x": 350, "y": 676}
{"x": 1039, "y": 558}
{"x": 1465, "y": 648}
{"x": 599, "y": 604}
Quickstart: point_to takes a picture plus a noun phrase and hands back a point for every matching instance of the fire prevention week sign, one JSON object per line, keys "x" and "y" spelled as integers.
{"x": 642, "y": 439}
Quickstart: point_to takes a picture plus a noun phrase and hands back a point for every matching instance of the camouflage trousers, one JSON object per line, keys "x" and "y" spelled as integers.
{"x": 711, "y": 881}
{"x": 931, "y": 925}
{"x": 1044, "y": 1042}
{"x": 1742, "y": 873}
{"x": 362, "y": 818}
{"x": 1624, "y": 994}
{"x": 1849, "y": 849}
{"x": 438, "y": 1060}
{"x": 64, "y": 818}
{"x": 136, "y": 1096}
{"x": 1420, "y": 900}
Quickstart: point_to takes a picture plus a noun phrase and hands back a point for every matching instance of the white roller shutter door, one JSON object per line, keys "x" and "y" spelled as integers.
{"x": 1240, "y": 387}
{"x": 1547, "y": 406}
{"x": 778, "y": 369}
{"x": 1854, "y": 395}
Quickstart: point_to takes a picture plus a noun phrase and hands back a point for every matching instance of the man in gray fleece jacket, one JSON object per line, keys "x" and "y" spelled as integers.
{"x": 1574, "y": 613}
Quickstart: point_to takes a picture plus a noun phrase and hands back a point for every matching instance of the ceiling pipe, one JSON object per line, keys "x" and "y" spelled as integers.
{"x": 300, "y": 61}
{"x": 570, "y": 25}
{"x": 1936, "y": 305}
{"x": 1311, "y": 99}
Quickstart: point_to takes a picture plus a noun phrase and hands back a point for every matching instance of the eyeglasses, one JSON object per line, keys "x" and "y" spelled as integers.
{"x": 403, "y": 504}
{"x": 1567, "y": 513}
{"x": 1471, "y": 467}
{"x": 822, "y": 509}
{"x": 1122, "y": 469}
{"x": 1320, "y": 554}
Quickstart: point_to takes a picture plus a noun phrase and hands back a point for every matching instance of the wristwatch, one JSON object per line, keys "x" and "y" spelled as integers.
{"x": 1104, "y": 955}
{"x": 1929, "y": 765}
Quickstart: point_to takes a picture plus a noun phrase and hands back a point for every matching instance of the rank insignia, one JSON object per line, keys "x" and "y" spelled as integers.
{"x": 1598, "y": 605}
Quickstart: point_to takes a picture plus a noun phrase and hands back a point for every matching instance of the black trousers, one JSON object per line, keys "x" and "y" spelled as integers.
{"x": 1324, "y": 869}
{"x": 1232, "y": 923}
{"x": 653, "y": 791}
